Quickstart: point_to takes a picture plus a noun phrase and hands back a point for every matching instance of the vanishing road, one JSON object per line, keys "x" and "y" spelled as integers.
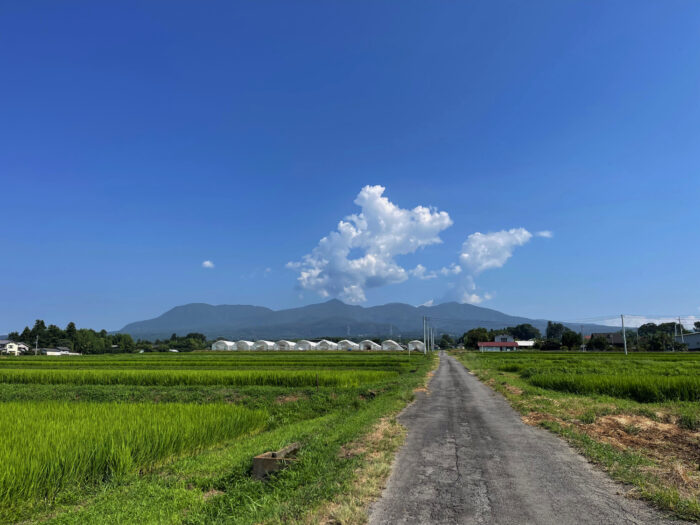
{"x": 468, "y": 458}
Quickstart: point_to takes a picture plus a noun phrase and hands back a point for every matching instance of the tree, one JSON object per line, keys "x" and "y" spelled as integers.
{"x": 13, "y": 336}
{"x": 525, "y": 331}
{"x": 446, "y": 341}
{"x": 571, "y": 339}
{"x": 696, "y": 325}
{"x": 473, "y": 336}
{"x": 550, "y": 344}
{"x": 70, "y": 331}
{"x": 554, "y": 330}
{"x": 598, "y": 343}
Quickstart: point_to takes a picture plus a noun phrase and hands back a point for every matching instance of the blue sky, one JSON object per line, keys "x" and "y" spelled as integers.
{"x": 138, "y": 140}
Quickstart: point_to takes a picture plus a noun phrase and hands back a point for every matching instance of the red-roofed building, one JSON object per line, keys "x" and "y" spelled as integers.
{"x": 498, "y": 346}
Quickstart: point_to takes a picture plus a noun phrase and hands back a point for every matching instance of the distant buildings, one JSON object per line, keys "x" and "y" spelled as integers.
{"x": 323, "y": 344}
{"x": 612, "y": 338}
{"x": 692, "y": 340}
{"x": 498, "y": 346}
{"x": 12, "y": 348}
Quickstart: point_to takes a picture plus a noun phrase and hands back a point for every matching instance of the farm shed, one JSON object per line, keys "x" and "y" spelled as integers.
{"x": 346, "y": 344}
{"x": 390, "y": 344}
{"x": 692, "y": 340}
{"x": 325, "y": 344}
{"x": 223, "y": 345}
{"x": 498, "y": 346}
{"x": 416, "y": 346}
{"x": 245, "y": 345}
{"x": 369, "y": 345}
{"x": 306, "y": 345}
{"x": 263, "y": 345}
{"x": 283, "y": 344}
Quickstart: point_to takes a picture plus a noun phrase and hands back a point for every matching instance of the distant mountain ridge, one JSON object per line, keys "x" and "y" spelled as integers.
{"x": 329, "y": 319}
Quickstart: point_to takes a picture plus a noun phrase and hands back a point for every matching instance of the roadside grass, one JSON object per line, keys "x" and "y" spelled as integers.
{"x": 653, "y": 446}
{"x": 214, "y": 485}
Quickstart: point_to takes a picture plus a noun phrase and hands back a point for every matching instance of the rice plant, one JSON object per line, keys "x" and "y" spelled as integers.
{"x": 50, "y": 446}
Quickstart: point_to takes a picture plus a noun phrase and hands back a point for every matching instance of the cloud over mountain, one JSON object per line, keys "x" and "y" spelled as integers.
{"x": 380, "y": 232}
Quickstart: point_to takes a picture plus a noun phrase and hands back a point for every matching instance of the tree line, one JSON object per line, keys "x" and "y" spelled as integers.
{"x": 88, "y": 341}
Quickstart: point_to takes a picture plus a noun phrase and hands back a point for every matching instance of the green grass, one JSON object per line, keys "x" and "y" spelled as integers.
{"x": 142, "y": 438}
{"x": 645, "y": 388}
{"x": 51, "y": 446}
{"x": 293, "y": 378}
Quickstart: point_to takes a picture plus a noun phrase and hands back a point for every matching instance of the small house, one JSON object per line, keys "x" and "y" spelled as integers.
{"x": 498, "y": 346}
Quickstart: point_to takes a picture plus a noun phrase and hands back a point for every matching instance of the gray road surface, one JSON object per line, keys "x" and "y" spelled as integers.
{"x": 468, "y": 458}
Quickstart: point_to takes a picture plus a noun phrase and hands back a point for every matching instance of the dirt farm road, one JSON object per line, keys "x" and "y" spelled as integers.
{"x": 468, "y": 458}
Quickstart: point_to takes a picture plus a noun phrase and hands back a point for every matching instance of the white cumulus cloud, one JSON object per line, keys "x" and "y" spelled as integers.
{"x": 380, "y": 232}
{"x": 207, "y": 264}
{"x": 422, "y": 273}
{"x": 545, "y": 233}
{"x": 482, "y": 251}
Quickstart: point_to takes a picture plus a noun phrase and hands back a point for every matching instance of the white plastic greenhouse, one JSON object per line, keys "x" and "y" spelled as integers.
{"x": 325, "y": 344}
{"x": 369, "y": 345}
{"x": 306, "y": 345}
{"x": 223, "y": 345}
{"x": 390, "y": 344}
{"x": 346, "y": 344}
{"x": 416, "y": 346}
{"x": 245, "y": 345}
{"x": 283, "y": 344}
{"x": 264, "y": 345}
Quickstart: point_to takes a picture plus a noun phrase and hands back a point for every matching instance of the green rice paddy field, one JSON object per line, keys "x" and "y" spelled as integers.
{"x": 636, "y": 415}
{"x": 154, "y": 438}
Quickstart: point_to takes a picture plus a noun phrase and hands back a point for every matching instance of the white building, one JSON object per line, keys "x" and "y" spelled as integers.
{"x": 526, "y": 344}
{"x": 224, "y": 345}
{"x": 390, "y": 344}
{"x": 285, "y": 345}
{"x": 325, "y": 344}
{"x": 244, "y": 345}
{"x": 369, "y": 345}
{"x": 346, "y": 344}
{"x": 263, "y": 345}
{"x": 416, "y": 346}
{"x": 12, "y": 348}
{"x": 306, "y": 345}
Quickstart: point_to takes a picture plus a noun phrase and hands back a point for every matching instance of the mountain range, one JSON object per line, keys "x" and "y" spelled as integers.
{"x": 329, "y": 319}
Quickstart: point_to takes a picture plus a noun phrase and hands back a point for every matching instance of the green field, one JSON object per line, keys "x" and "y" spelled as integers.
{"x": 636, "y": 415}
{"x": 156, "y": 438}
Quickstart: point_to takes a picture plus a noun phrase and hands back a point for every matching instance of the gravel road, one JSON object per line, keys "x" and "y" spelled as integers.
{"x": 468, "y": 458}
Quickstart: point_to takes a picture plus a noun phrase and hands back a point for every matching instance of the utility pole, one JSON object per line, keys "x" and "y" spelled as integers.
{"x": 36, "y": 345}
{"x": 680, "y": 327}
{"x": 425, "y": 342}
{"x": 624, "y": 337}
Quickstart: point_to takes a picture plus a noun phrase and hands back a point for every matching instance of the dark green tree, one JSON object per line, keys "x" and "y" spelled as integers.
{"x": 597, "y": 343}
{"x": 446, "y": 341}
{"x": 554, "y": 330}
{"x": 525, "y": 331}
{"x": 571, "y": 339}
{"x": 475, "y": 335}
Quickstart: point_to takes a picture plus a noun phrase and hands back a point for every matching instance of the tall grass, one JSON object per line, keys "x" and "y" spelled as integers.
{"x": 48, "y": 446}
{"x": 293, "y": 378}
{"x": 644, "y": 388}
